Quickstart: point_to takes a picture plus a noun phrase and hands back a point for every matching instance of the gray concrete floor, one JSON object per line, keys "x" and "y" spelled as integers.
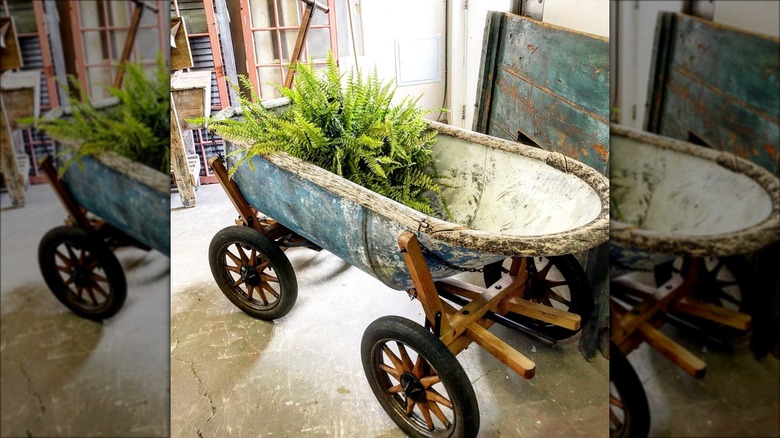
{"x": 235, "y": 376}
{"x": 738, "y": 397}
{"x": 65, "y": 376}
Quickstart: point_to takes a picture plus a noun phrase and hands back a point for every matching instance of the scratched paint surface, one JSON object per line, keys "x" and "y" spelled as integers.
{"x": 138, "y": 210}
{"x": 492, "y": 191}
{"x": 550, "y": 84}
{"x": 718, "y": 84}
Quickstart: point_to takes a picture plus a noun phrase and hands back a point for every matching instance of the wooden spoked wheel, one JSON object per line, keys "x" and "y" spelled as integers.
{"x": 629, "y": 415}
{"x": 558, "y": 282}
{"x": 417, "y": 380}
{"x": 253, "y": 273}
{"x": 82, "y": 272}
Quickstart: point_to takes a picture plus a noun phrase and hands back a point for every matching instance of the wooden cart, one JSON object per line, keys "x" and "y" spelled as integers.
{"x": 520, "y": 214}
{"x": 111, "y": 202}
{"x": 676, "y": 199}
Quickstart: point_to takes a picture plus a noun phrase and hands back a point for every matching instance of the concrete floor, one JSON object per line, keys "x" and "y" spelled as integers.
{"x": 65, "y": 376}
{"x": 738, "y": 397}
{"x": 232, "y": 375}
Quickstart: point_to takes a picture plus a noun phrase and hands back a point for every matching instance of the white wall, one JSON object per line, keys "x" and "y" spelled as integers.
{"x": 755, "y": 16}
{"x": 385, "y": 22}
{"x": 591, "y": 16}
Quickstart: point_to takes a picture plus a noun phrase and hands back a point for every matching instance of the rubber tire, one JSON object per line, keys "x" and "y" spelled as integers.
{"x": 250, "y": 237}
{"x": 454, "y": 379}
{"x": 632, "y": 394}
{"x": 580, "y": 293}
{"x": 79, "y": 238}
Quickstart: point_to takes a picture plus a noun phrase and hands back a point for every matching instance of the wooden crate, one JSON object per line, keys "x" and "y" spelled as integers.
{"x": 11, "y": 54}
{"x": 192, "y": 95}
{"x": 22, "y": 94}
{"x": 181, "y": 56}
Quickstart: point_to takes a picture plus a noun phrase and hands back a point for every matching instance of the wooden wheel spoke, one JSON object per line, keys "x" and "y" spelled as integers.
{"x": 546, "y": 301}
{"x": 427, "y": 382}
{"x": 100, "y": 290}
{"x": 68, "y": 262}
{"x": 269, "y": 289}
{"x": 392, "y": 371}
{"x": 409, "y": 406}
{"x": 724, "y": 296}
{"x": 80, "y": 291}
{"x": 418, "y": 367}
{"x": 555, "y": 283}
{"x": 542, "y": 273}
{"x": 71, "y": 254}
{"x": 91, "y": 295}
{"x": 235, "y": 269}
{"x": 614, "y": 401}
{"x": 716, "y": 269}
{"x": 263, "y": 297}
{"x": 395, "y": 389}
{"x": 238, "y": 282}
{"x": 557, "y": 297}
{"x": 64, "y": 269}
{"x": 266, "y": 277}
{"x": 233, "y": 257}
{"x": 614, "y": 419}
{"x": 405, "y": 359}
{"x": 394, "y": 359}
{"x": 95, "y": 277}
{"x": 426, "y": 414}
{"x": 242, "y": 254}
{"x": 434, "y": 407}
{"x": 261, "y": 267}
{"x": 253, "y": 258}
{"x": 68, "y": 282}
{"x": 83, "y": 257}
{"x": 438, "y": 398}
{"x": 249, "y": 290}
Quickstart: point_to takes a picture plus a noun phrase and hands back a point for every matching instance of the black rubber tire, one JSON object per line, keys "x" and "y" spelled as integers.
{"x": 464, "y": 412}
{"x": 636, "y": 413}
{"x": 249, "y": 238}
{"x": 97, "y": 254}
{"x": 580, "y": 294}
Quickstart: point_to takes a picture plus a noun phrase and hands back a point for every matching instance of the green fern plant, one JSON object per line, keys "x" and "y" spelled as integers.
{"x": 138, "y": 127}
{"x": 353, "y": 131}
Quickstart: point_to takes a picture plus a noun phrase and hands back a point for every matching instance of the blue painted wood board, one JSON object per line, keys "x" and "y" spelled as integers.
{"x": 133, "y": 206}
{"x": 549, "y": 83}
{"x": 717, "y": 85}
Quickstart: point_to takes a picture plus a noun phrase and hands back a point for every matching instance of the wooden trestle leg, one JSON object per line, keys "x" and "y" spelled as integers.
{"x": 457, "y": 329}
{"x": 640, "y": 323}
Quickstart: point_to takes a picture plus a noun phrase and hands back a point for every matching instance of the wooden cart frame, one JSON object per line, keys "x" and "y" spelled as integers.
{"x": 455, "y": 328}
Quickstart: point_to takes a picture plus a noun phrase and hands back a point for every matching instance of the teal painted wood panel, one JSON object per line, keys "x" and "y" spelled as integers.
{"x": 547, "y": 83}
{"x": 133, "y": 207}
{"x": 716, "y": 85}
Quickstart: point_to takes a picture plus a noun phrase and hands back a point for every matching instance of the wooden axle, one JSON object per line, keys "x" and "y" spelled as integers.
{"x": 459, "y": 328}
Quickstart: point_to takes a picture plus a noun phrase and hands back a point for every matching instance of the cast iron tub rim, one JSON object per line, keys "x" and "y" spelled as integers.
{"x": 577, "y": 239}
{"x": 743, "y": 241}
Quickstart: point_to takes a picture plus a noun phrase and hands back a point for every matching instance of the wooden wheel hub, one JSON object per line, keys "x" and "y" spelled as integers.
{"x": 413, "y": 388}
{"x": 250, "y": 275}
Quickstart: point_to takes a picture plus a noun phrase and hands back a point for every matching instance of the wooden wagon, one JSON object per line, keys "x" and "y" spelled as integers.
{"x": 111, "y": 201}
{"x": 672, "y": 198}
{"x": 509, "y": 201}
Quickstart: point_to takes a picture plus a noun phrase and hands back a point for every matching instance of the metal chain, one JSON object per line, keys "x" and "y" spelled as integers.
{"x": 448, "y": 264}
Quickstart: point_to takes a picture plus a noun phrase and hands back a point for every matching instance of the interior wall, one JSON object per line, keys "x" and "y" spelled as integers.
{"x": 590, "y": 16}
{"x": 383, "y": 23}
{"x": 755, "y": 16}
